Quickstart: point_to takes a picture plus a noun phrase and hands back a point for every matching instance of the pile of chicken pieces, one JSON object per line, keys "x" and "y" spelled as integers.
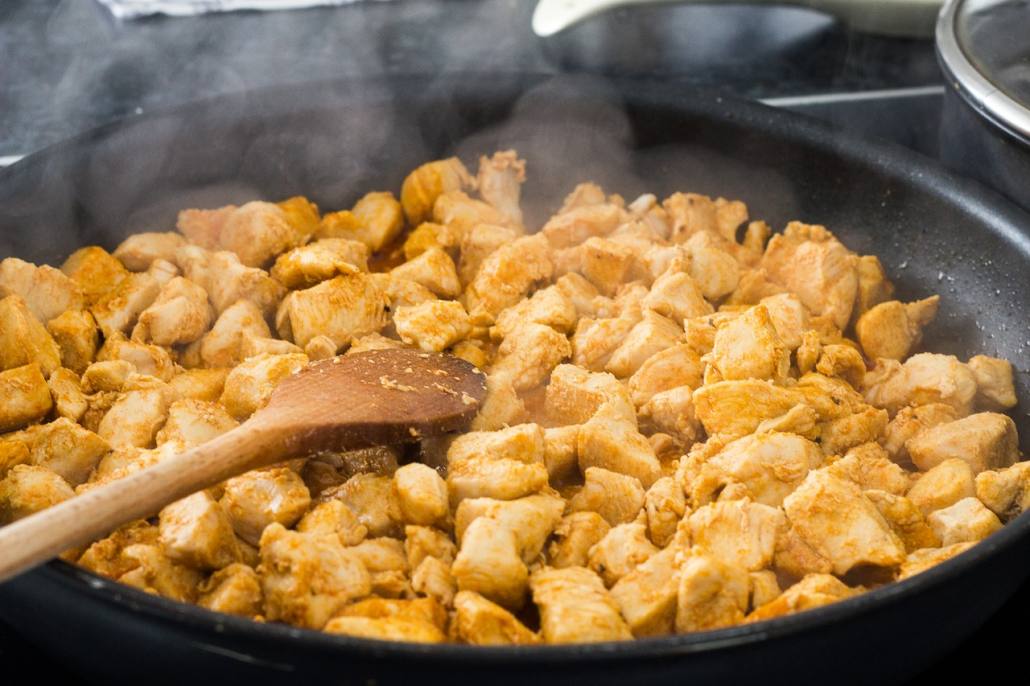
{"x": 691, "y": 422}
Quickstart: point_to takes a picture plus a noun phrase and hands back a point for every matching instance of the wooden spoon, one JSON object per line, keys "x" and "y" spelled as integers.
{"x": 355, "y": 401}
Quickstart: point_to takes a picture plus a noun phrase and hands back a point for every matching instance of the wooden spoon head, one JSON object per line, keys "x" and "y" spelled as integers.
{"x": 377, "y": 397}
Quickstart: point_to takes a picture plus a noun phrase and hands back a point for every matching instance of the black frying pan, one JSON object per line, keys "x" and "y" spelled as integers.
{"x": 935, "y": 233}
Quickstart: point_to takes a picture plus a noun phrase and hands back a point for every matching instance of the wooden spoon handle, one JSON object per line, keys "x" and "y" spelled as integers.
{"x": 95, "y": 513}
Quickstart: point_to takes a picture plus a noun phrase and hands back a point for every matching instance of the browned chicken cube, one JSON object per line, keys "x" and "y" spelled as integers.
{"x": 968, "y": 520}
{"x": 891, "y": 329}
{"x": 771, "y": 465}
{"x": 1006, "y": 491}
{"x": 433, "y": 325}
{"x": 24, "y": 397}
{"x": 616, "y": 497}
{"x": 77, "y": 337}
{"x": 23, "y": 339}
{"x": 256, "y": 499}
{"x": 738, "y": 532}
{"x": 46, "y": 291}
{"x": 94, "y": 271}
{"x": 621, "y": 550}
{"x": 815, "y": 590}
{"x": 342, "y": 308}
{"x": 180, "y": 314}
{"x": 489, "y": 563}
{"x": 249, "y": 386}
{"x": 197, "y": 532}
{"x": 711, "y": 594}
{"x": 574, "y": 537}
{"x": 29, "y": 489}
{"x": 140, "y": 250}
{"x": 319, "y": 261}
{"x": 986, "y": 441}
{"x": 994, "y": 386}
{"x": 233, "y": 590}
{"x": 575, "y": 607}
{"x": 477, "y": 621}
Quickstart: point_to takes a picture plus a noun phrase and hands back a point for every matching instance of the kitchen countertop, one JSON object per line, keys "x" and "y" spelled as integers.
{"x": 69, "y": 66}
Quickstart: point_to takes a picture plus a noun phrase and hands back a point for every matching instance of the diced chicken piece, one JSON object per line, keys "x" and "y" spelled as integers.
{"x": 595, "y": 340}
{"x": 155, "y": 572}
{"x": 203, "y": 227}
{"x": 677, "y": 296}
{"x": 477, "y": 621}
{"x": 842, "y": 361}
{"x": 307, "y": 578}
{"x": 572, "y": 226}
{"x": 873, "y": 285}
{"x": 647, "y": 596}
{"x": 968, "y": 520}
{"x": 789, "y": 317}
{"x": 320, "y": 261}
{"x": 24, "y": 397}
{"x": 621, "y": 550}
{"x": 106, "y": 557}
{"x": 489, "y": 477}
{"x": 764, "y": 588}
{"x": 256, "y": 231}
{"x": 892, "y": 329}
{"x": 249, "y": 386}
{"x": 607, "y": 264}
{"x": 460, "y": 213}
{"x": 574, "y": 537}
{"x": 433, "y": 325}
{"x": 23, "y": 340}
{"x": 575, "y": 607}
{"x": 192, "y": 422}
{"x": 922, "y": 560}
{"x": 254, "y": 345}
{"x": 234, "y": 590}
{"x": 140, "y": 250}
{"x": 736, "y": 408}
{"x": 421, "y": 494}
{"x": 548, "y": 306}
{"x": 617, "y": 446}
{"x": 489, "y": 563}
{"x": 738, "y": 532}
{"x": 117, "y": 311}
{"x": 29, "y": 489}
{"x": 924, "y": 379}
{"x": 333, "y": 517}
{"x": 530, "y": 519}
{"x": 199, "y": 384}
{"x": 574, "y": 395}
{"x": 502, "y": 407}
{"x": 524, "y": 443}
{"x": 616, "y": 497}
{"x": 66, "y": 390}
{"x": 227, "y": 281}
{"x": 651, "y": 335}
{"x": 107, "y": 376}
{"x": 196, "y": 532}
{"x": 715, "y": 271}
{"x": 77, "y": 337}
{"x": 815, "y": 590}
{"x": 431, "y": 235}
{"x": 678, "y": 365}
{"x": 500, "y": 180}
{"x": 222, "y": 345}
{"x": 478, "y": 242}
{"x": 386, "y": 562}
{"x": 529, "y": 354}
{"x": 342, "y": 308}
{"x": 373, "y": 499}
{"x": 771, "y": 465}
{"x": 147, "y": 360}
{"x": 65, "y": 448}
{"x": 911, "y": 422}
{"x": 375, "y": 220}
{"x": 386, "y": 629}
{"x": 506, "y": 275}
{"x": 372, "y": 341}
{"x": 994, "y": 387}
{"x": 905, "y": 519}
{"x": 163, "y": 271}
{"x": 433, "y": 269}
{"x": 180, "y": 314}
{"x": 421, "y": 542}
{"x": 256, "y": 499}
{"x": 432, "y": 578}
{"x": 672, "y": 412}
{"x": 749, "y": 348}
{"x": 425, "y": 184}
{"x": 1007, "y": 491}
{"x": 869, "y": 466}
{"x": 302, "y": 216}
{"x": 711, "y": 594}
{"x": 560, "y": 455}
{"x": 841, "y": 524}
{"x": 46, "y": 291}
{"x": 986, "y": 441}
{"x": 420, "y": 611}
{"x": 664, "y": 505}
{"x": 94, "y": 271}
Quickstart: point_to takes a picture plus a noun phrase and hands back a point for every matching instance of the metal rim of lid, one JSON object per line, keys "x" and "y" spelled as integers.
{"x": 976, "y": 89}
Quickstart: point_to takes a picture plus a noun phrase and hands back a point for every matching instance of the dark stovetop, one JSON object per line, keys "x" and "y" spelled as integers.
{"x": 68, "y": 66}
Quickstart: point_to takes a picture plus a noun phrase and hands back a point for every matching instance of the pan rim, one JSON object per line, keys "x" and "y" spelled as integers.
{"x": 990, "y": 208}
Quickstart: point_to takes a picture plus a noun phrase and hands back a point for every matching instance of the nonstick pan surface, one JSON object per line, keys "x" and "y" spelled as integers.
{"x": 935, "y": 233}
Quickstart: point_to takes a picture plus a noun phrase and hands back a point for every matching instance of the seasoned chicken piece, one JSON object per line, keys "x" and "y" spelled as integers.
{"x": 502, "y": 406}
{"x": 65, "y": 448}
{"x": 117, "y": 311}
{"x": 24, "y": 397}
{"x": 105, "y": 556}
{"x": 478, "y": 242}
{"x": 711, "y": 594}
{"x": 595, "y": 340}
{"x": 490, "y": 477}
{"x": 431, "y": 235}
{"x": 788, "y": 316}
{"x": 421, "y": 494}
{"x": 676, "y": 295}
{"x": 841, "y": 524}
{"x": 163, "y": 271}
{"x": 905, "y": 519}
{"x": 506, "y": 276}
{"x": 196, "y": 531}
{"x": 307, "y": 578}
{"x": 199, "y": 384}
{"x": 46, "y": 291}
{"x": 256, "y": 231}
{"x": 433, "y": 579}
{"x": 29, "y": 489}
{"x": 180, "y": 314}
{"x": 227, "y": 280}
{"x": 386, "y": 629}
{"x": 77, "y": 337}
{"x": 607, "y": 264}
{"x": 477, "y": 621}
{"x": 873, "y": 285}
{"x": 1006, "y": 491}
{"x": 530, "y": 519}
{"x": 966, "y": 520}
{"x": 548, "y": 306}
{"x": 574, "y": 225}
{"x": 249, "y": 386}
{"x": 333, "y": 517}
{"x": 749, "y": 348}
{"x": 433, "y": 269}
{"x": 489, "y": 563}
{"x": 529, "y": 354}
{"x": 574, "y": 395}
{"x": 651, "y": 335}
{"x": 192, "y": 422}
{"x": 672, "y": 412}
{"x": 140, "y": 250}
{"x": 736, "y": 408}
{"x": 233, "y": 590}
{"x": 815, "y": 590}
{"x": 433, "y": 325}
{"x": 664, "y": 505}
{"x": 107, "y": 376}
{"x": 754, "y": 286}
{"x": 647, "y": 596}
{"x": 986, "y": 441}
{"x": 222, "y": 346}
{"x": 809, "y": 351}
{"x": 23, "y": 340}
{"x": 94, "y": 271}
{"x": 203, "y": 227}
{"x": 255, "y": 345}
{"x": 319, "y": 261}
{"x": 422, "y": 611}
{"x": 500, "y": 180}
{"x": 842, "y": 361}
{"x": 574, "y": 537}
{"x": 258, "y": 498}
{"x": 560, "y": 455}
{"x": 387, "y": 564}
{"x": 891, "y": 329}
{"x": 616, "y": 497}
{"x": 13, "y": 451}
{"x": 924, "y": 379}
{"x": 714, "y": 270}
{"x": 738, "y": 532}
{"x": 425, "y": 184}
{"x": 994, "y": 387}
{"x": 155, "y": 572}
{"x": 373, "y": 499}
{"x": 621, "y": 550}
{"x": 375, "y": 220}
{"x": 922, "y": 560}
{"x": 459, "y": 212}
{"x": 910, "y": 422}
{"x": 524, "y": 443}
{"x": 575, "y": 607}
{"x": 771, "y": 465}
{"x": 677, "y": 365}
{"x": 869, "y": 466}
{"x": 342, "y": 308}
{"x": 763, "y": 588}
{"x": 617, "y": 446}
{"x": 148, "y": 360}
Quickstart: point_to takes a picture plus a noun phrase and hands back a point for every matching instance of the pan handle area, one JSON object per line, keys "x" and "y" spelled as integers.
{"x": 901, "y": 18}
